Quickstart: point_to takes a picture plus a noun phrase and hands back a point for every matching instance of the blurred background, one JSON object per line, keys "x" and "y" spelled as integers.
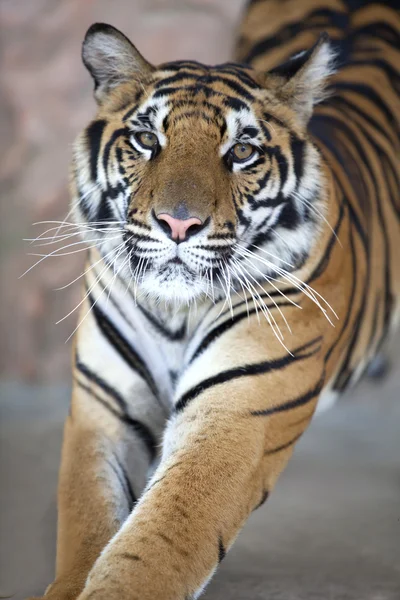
{"x": 45, "y": 100}
{"x": 331, "y": 531}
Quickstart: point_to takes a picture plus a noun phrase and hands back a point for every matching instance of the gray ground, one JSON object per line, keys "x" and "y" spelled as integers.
{"x": 331, "y": 531}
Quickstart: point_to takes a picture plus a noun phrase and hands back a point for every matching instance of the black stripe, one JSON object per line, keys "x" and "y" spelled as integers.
{"x": 264, "y": 497}
{"x": 233, "y": 85}
{"x": 359, "y": 144}
{"x": 94, "y": 134}
{"x": 104, "y": 211}
{"x": 366, "y": 91}
{"x": 124, "y": 481}
{"x": 228, "y": 324}
{"x": 85, "y": 203}
{"x": 353, "y": 108}
{"x": 276, "y": 152}
{"x": 247, "y": 370}
{"x": 195, "y": 114}
{"x": 351, "y": 299}
{"x": 133, "y": 221}
{"x": 283, "y": 446}
{"x": 272, "y": 294}
{"x": 381, "y": 30}
{"x": 297, "y": 148}
{"x": 119, "y": 343}
{"x": 309, "y": 22}
{"x": 111, "y": 299}
{"x": 326, "y": 138}
{"x": 132, "y": 494}
{"x": 291, "y": 404}
{"x": 173, "y": 336}
{"x": 122, "y": 132}
{"x": 235, "y": 103}
{"x": 325, "y": 258}
{"x": 130, "y": 556}
{"x": 175, "y": 65}
{"x": 221, "y": 550}
{"x": 170, "y": 91}
{"x": 142, "y": 430}
{"x": 178, "y": 77}
{"x": 250, "y": 131}
{"x": 268, "y": 117}
{"x": 241, "y": 75}
{"x": 375, "y": 317}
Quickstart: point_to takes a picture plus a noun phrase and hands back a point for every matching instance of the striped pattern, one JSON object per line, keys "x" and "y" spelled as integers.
{"x": 212, "y": 355}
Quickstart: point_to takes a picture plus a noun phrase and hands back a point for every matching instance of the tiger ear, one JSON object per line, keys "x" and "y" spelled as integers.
{"x": 111, "y": 59}
{"x": 305, "y": 77}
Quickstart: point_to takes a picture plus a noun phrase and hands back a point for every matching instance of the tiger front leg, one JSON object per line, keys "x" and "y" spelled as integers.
{"x": 107, "y": 450}
{"x": 230, "y": 437}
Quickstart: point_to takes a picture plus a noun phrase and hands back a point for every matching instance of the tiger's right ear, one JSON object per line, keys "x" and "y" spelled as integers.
{"x": 111, "y": 59}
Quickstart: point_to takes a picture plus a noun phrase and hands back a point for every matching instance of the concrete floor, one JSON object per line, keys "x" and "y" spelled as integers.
{"x": 331, "y": 530}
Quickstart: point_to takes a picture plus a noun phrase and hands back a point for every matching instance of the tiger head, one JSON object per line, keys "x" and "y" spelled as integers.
{"x": 195, "y": 180}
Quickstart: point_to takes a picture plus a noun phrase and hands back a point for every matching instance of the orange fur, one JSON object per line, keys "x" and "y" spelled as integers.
{"x": 226, "y": 442}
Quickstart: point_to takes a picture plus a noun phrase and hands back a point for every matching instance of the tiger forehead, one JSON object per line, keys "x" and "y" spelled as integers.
{"x": 180, "y": 91}
{"x": 209, "y": 100}
{"x": 227, "y": 79}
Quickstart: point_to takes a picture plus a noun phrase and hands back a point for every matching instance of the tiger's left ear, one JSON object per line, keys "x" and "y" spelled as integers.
{"x": 111, "y": 59}
{"x": 301, "y": 82}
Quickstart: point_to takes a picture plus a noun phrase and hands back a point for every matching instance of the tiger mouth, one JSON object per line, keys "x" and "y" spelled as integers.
{"x": 176, "y": 261}
{"x": 178, "y": 266}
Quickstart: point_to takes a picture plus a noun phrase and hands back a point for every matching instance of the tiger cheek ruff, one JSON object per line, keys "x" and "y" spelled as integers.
{"x": 242, "y": 223}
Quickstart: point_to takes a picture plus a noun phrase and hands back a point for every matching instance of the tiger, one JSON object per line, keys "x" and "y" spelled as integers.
{"x": 242, "y": 223}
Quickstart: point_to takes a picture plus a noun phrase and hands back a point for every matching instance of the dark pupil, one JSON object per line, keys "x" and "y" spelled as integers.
{"x": 242, "y": 151}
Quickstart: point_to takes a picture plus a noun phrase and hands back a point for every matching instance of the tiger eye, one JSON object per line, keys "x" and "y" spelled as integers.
{"x": 147, "y": 139}
{"x": 242, "y": 152}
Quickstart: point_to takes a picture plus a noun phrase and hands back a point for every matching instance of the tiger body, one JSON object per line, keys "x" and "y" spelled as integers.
{"x": 204, "y": 361}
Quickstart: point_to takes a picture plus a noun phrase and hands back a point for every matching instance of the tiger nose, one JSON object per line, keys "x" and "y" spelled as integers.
{"x": 179, "y": 229}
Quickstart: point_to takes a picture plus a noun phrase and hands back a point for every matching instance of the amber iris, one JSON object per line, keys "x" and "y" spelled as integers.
{"x": 242, "y": 152}
{"x": 147, "y": 139}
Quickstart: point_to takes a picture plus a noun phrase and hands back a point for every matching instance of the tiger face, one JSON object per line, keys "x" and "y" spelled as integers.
{"x": 196, "y": 180}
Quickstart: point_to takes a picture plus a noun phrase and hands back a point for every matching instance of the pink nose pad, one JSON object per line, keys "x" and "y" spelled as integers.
{"x": 178, "y": 227}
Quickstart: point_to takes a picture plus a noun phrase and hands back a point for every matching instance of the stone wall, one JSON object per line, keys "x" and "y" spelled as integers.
{"x": 45, "y": 99}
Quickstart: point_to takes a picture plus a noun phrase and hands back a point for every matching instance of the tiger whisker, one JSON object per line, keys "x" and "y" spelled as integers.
{"x": 283, "y": 273}
{"x": 254, "y": 299}
{"x": 269, "y": 296}
{"x": 319, "y": 213}
{"x": 129, "y": 283}
{"x": 303, "y": 287}
{"x": 75, "y": 224}
{"x": 103, "y": 257}
{"x": 225, "y": 295}
{"x": 74, "y": 204}
{"x": 229, "y": 284}
{"x": 268, "y": 278}
{"x": 268, "y": 314}
{"x": 273, "y": 301}
{"x": 265, "y": 310}
{"x": 97, "y": 279}
{"x": 267, "y": 123}
{"x": 54, "y": 253}
{"x": 116, "y": 271}
{"x": 57, "y": 251}
{"x": 265, "y": 252}
{"x": 86, "y": 295}
{"x": 66, "y": 236}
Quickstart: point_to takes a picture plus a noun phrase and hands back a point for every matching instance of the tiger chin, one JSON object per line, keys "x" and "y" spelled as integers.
{"x": 241, "y": 224}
